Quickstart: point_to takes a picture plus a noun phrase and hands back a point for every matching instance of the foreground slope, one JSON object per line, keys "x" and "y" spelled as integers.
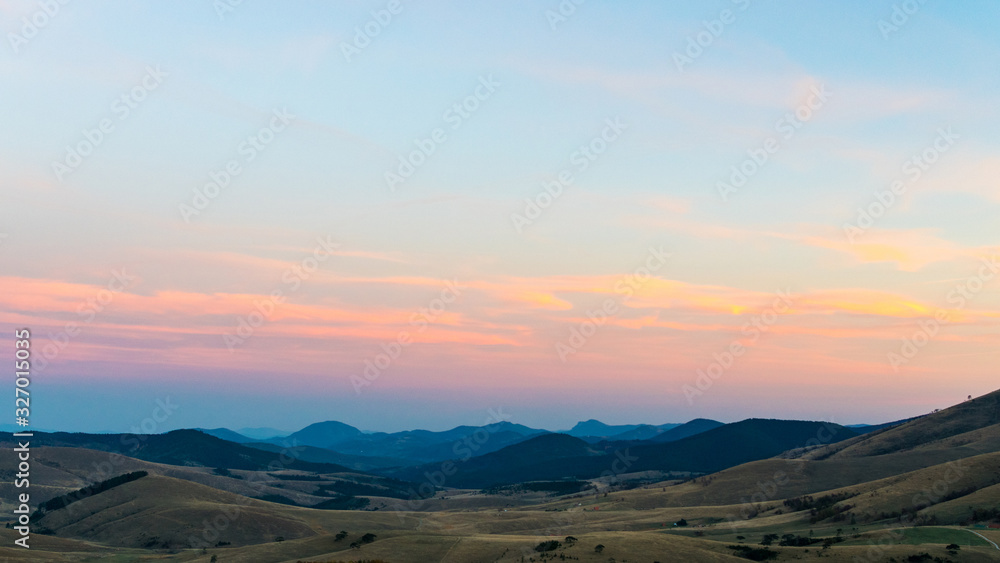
{"x": 162, "y": 512}
{"x": 946, "y": 433}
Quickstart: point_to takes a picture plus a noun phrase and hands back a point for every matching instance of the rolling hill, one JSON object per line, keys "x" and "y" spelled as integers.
{"x": 323, "y": 455}
{"x": 165, "y": 513}
{"x": 559, "y": 456}
{"x": 410, "y": 447}
{"x": 226, "y": 434}
{"x": 803, "y": 478}
{"x": 180, "y": 447}
{"x": 324, "y": 434}
{"x": 696, "y": 426}
{"x": 954, "y": 427}
{"x": 525, "y": 461}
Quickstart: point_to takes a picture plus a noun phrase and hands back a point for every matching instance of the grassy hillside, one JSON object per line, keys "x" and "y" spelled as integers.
{"x": 62, "y": 470}
{"x": 953, "y": 422}
{"x": 180, "y": 447}
{"x": 162, "y": 512}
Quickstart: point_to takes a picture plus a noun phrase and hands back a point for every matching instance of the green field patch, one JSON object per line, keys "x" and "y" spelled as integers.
{"x": 945, "y": 536}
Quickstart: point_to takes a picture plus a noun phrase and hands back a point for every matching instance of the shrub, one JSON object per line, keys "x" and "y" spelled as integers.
{"x": 753, "y": 553}
{"x": 551, "y": 545}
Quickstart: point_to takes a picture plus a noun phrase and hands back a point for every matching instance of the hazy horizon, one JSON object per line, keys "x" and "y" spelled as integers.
{"x": 488, "y": 417}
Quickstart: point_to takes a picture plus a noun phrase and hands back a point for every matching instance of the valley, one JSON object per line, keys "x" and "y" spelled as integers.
{"x": 756, "y": 489}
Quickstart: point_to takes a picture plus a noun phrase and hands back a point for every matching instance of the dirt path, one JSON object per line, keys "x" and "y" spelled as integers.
{"x": 447, "y": 553}
{"x": 985, "y": 538}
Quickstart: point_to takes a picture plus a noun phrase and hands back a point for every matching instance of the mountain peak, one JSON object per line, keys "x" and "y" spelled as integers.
{"x": 325, "y": 434}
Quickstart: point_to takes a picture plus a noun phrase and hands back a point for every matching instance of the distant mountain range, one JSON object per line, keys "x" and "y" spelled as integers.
{"x": 936, "y": 470}
{"x": 262, "y": 433}
{"x": 597, "y": 429}
{"x": 560, "y": 456}
{"x": 337, "y": 442}
{"x": 482, "y": 456}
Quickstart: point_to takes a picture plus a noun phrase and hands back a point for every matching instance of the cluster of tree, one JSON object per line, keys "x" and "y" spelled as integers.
{"x": 278, "y": 499}
{"x": 566, "y": 487}
{"x": 294, "y": 477}
{"x": 921, "y": 557}
{"x": 343, "y": 503}
{"x": 792, "y": 540}
{"x": 550, "y": 545}
{"x": 984, "y": 514}
{"x": 754, "y": 553}
{"x": 62, "y": 501}
{"x": 367, "y": 538}
{"x": 910, "y": 517}
{"x": 959, "y": 493}
{"x": 821, "y": 508}
{"x": 351, "y": 488}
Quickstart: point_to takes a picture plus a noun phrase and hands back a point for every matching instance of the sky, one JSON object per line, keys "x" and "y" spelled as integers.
{"x": 414, "y": 215}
